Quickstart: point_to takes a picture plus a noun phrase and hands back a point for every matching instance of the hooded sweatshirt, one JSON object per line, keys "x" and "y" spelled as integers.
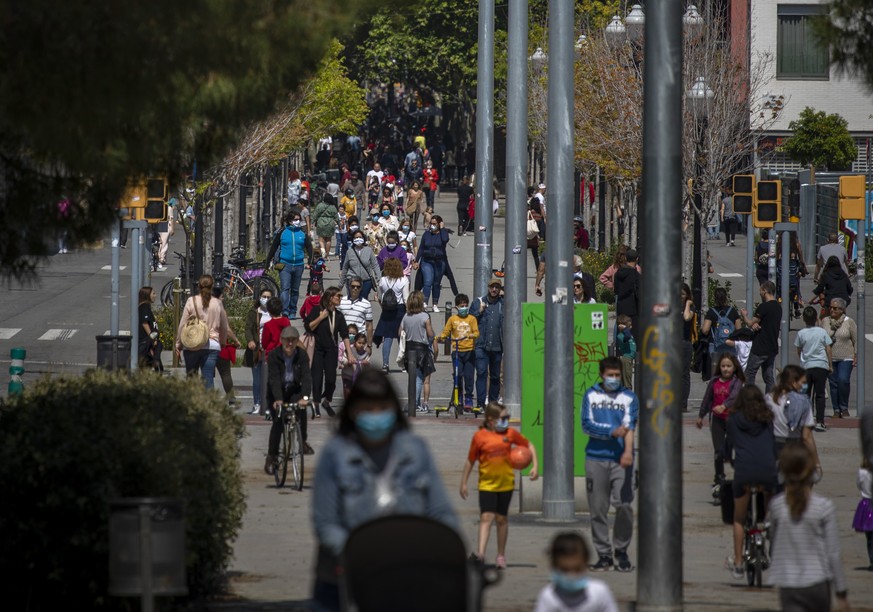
{"x": 753, "y": 448}
{"x": 834, "y": 284}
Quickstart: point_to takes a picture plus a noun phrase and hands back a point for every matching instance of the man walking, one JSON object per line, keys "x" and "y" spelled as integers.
{"x": 358, "y": 310}
{"x": 609, "y": 418}
{"x": 293, "y": 251}
{"x": 826, "y": 251}
{"x": 765, "y": 346}
{"x": 488, "y": 311}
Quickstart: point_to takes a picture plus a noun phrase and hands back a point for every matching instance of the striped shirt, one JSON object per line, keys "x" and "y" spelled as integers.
{"x": 357, "y": 313}
{"x": 807, "y": 551}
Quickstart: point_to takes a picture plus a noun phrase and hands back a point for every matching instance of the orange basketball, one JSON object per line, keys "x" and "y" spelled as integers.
{"x": 520, "y": 457}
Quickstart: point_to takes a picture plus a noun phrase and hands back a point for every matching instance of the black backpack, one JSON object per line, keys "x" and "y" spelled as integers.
{"x": 389, "y": 299}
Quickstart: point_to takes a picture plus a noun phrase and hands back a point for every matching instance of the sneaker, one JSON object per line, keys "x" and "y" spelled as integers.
{"x": 716, "y": 490}
{"x": 844, "y": 414}
{"x": 386, "y": 369}
{"x": 426, "y": 407}
{"x": 270, "y": 465}
{"x": 328, "y": 408}
{"x": 476, "y": 559}
{"x": 162, "y": 268}
{"x": 436, "y": 308}
{"x": 737, "y": 571}
{"x": 820, "y": 427}
{"x": 256, "y": 409}
{"x": 604, "y": 564}
{"x": 468, "y": 404}
{"x": 622, "y": 562}
{"x": 307, "y": 450}
{"x": 500, "y": 562}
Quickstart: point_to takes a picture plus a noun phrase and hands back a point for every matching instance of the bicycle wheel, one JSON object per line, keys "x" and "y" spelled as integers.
{"x": 296, "y": 435}
{"x": 749, "y": 558}
{"x": 264, "y": 283}
{"x": 758, "y": 562}
{"x": 167, "y": 293}
{"x": 281, "y": 470}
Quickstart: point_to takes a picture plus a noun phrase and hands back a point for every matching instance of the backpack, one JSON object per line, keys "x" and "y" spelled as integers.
{"x": 723, "y": 328}
{"x": 389, "y": 299}
{"x": 794, "y": 415}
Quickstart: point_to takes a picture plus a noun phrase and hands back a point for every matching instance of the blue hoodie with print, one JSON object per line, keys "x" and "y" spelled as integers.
{"x": 603, "y": 411}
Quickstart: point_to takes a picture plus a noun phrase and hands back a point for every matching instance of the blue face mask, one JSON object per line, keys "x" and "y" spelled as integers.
{"x": 501, "y": 425}
{"x": 386, "y": 213}
{"x": 804, "y": 388}
{"x": 375, "y": 217}
{"x": 463, "y": 311}
{"x": 375, "y": 426}
{"x": 611, "y": 383}
{"x": 569, "y": 583}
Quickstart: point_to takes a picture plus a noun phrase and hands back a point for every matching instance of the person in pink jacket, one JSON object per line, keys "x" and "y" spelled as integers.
{"x": 608, "y": 277}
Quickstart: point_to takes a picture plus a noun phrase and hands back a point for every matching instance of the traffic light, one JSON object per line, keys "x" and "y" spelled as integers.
{"x": 768, "y": 204}
{"x": 744, "y": 194}
{"x": 156, "y": 202}
{"x": 852, "y": 196}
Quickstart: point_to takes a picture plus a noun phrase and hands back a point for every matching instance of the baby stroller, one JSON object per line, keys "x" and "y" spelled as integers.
{"x": 404, "y": 562}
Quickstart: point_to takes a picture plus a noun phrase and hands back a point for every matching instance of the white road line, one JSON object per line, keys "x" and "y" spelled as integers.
{"x": 730, "y": 274}
{"x": 6, "y": 333}
{"x": 58, "y": 334}
{"x": 109, "y": 267}
{"x": 121, "y": 332}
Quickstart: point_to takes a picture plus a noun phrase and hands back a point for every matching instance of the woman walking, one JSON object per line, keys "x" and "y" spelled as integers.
{"x": 254, "y": 356}
{"x": 361, "y": 262}
{"x": 834, "y": 283}
{"x": 149, "y": 343}
{"x": 328, "y": 325}
{"x": 393, "y": 309}
{"x": 324, "y": 217}
{"x": 415, "y": 203}
{"x": 202, "y": 359}
{"x": 844, "y": 353}
{"x": 420, "y": 339}
{"x": 432, "y": 259}
{"x": 465, "y": 192}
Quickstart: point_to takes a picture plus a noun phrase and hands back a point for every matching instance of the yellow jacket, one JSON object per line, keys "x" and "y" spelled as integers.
{"x": 462, "y": 327}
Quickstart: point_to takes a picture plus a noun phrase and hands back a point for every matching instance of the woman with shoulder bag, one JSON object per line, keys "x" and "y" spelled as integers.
{"x": 202, "y": 332}
{"x": 393, "y": 307}
{"x": 253, "y": 357}
{"x": 361, "y": 262}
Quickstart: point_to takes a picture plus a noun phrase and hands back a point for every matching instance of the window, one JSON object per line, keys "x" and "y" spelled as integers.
{"x": 798, "y": 54}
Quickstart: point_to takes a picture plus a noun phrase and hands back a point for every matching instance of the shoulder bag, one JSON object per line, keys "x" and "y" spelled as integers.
{"x": 195, "y": 333}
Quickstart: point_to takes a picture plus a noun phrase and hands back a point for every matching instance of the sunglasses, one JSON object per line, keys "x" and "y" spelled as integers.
{"x": 577, "y": 286}
{"x": 356, "y": 286}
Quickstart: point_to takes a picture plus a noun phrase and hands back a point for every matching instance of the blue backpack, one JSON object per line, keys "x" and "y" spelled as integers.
{"x": 723, "y": 328}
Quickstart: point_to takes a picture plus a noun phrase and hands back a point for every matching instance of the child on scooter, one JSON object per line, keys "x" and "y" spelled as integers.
{"x": 464, "y": 329}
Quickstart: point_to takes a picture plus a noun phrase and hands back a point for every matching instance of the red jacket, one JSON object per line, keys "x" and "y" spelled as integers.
{"x": 431, "y": 178}
{"x": 309, "y": 303}
{"x": 272, "y": 329}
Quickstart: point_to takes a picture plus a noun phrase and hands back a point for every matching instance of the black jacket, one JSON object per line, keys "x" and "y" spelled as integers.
{"x": 627, "y": 290}
{"x": 276, "y": 375}
{"x": 834, "y": 283}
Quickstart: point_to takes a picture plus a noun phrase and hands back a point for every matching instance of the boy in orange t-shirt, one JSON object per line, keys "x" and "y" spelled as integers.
{"x": 490, "y": 447}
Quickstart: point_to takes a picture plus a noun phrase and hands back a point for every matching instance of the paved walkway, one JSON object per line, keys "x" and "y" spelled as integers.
{"x": 274, "y": 553}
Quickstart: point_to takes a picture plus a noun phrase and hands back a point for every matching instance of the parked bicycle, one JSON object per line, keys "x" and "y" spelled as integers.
{"x": 186, "y": 280}
{"x": 291, "y": 446}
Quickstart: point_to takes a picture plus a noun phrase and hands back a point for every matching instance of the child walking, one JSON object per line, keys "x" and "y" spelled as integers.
{"x": 316, "y": 271}
{"x": 571, "y": 590}
{"x": 814, "y": 349}
{"x": 864, "y": 513}
{"x": 490, "y": 447}
{"x": 465, "y": 329}
{"x": 360, "y": 359}
{"x": 719, "y": 398}
{"x": 626, "y": 348}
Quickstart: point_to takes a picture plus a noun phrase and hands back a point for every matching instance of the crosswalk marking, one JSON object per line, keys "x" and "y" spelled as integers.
{"x": 730, "y": 274}
{"x": 109, "y": 267}
{"x": 121, "y": 332}
{"x": 6, "y": 333}
{"x": 58, "y": 334}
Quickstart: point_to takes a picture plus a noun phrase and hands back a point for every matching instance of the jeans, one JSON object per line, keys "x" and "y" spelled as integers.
{"x": 487, "y": 371}
{"x": 466, "y": 367}
{"x": 256, "y": 383}
{"x": 840, "y": 382}
{"x": 204, "y": 361}
{"x": 432, "y": 270}
{"x": 386, "y": 351}
{"x": 342, "y": 247}
{"x": 817, "y": 377}
{"x": 289, "y": 281}
{"x": 765, "y": 364}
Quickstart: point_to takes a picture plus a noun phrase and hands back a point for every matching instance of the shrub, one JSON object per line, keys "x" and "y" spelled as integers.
{"x": 69, "y": 445}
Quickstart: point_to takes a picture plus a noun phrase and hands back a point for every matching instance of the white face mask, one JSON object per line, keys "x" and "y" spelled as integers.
{"x": 264, "y": 301}
{"x": 353, "y": 227}
{"x": 392, "y": 245}
{"x": 358, "y": 241}
{"x": 296, "y": 223}
{"x": 433, "y": 228}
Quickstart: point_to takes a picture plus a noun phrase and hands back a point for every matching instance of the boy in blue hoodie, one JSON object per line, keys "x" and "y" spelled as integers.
{"x": 609, "y": 418}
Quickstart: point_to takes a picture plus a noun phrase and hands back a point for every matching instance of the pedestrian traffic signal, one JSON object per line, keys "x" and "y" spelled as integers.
{"x": 744, "y": 193}
{"x": 768, "y": 204}
{"x": 852, "y": 196}
{"x": 156, "y": 202}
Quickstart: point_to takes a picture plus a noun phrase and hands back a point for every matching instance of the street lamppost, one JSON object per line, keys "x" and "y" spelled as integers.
{"x": 482, "y": 254}
{"x": 699, "y": 97}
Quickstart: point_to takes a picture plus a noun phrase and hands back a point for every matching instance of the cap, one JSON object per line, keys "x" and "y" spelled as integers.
{"x": 542, "y": 185}
{"x": 354, "y": 174}
{"x": 495, "y": 282}
{"x": 290, "y": 332}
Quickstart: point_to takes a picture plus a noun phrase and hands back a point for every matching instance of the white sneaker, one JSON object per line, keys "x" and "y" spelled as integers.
{"x": 161, "y": 268}
{"x": 436, "y": 308}
{"x": 256, "y": 409}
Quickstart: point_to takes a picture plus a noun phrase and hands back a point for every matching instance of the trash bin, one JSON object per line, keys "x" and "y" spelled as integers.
{"x": 113, "y": 352}
{"x": 159, "y": 568}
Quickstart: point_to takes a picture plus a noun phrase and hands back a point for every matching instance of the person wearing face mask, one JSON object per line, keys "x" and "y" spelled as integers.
{"x": 415, "y": 203}
{"x": 392, "y": 250}
{"x": 431, "y": 179}
{"x": 407, "y": 234}
{"x": 361, "y": 262}
{"x": 387, "y": 219}
{"x": 571, "y": 590}
{"x": 373, "y": 466}
{"x": 432, "y": 260}
{"x": 792, "y": 410}
{"x": 609, "y": 418}
{"x": 253, "y": 357}
{"x": 490, "y": 447}
{"x": 292, "y": 250}
{"x": 374, "y": 231}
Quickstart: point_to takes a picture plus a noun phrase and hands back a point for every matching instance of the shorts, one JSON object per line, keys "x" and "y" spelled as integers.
{"x": 496, "y": 502}
{"x": 739, "y": 486}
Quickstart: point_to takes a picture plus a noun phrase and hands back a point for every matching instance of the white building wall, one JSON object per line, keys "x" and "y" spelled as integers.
{"x": 845, "y": 96}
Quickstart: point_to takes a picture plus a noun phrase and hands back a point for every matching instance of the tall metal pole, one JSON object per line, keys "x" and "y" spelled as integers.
{"x": 558, "y": 422}
{"x": 751, "y": 279}
{"x": 601, "y": 212}
{"x": 696, "y": 263}
{"x": 242, "y": 219}
{"x": 860, "y": 317}
{"x": 137, "y": 229}
{"x": 218, "y": 249}
{"x": 198, "y": 243}
{"x": 786, "y": 299}
{"x": 115, "y": 281}
{"x": 484, "y": 149}
{"x": 515, "y": 243}
{"x": 659, "y": 581}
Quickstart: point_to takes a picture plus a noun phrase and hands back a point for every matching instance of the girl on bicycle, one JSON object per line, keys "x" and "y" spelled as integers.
{"x": 792, "y": 410}
{"x": 490, "y": 447}
{"x": 720, "y": 396}
{"x": 805, "y": 554}
{"x": 751, "y": 449}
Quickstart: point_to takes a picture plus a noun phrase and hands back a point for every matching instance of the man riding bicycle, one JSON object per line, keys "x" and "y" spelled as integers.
{"x": 288, "y": 380}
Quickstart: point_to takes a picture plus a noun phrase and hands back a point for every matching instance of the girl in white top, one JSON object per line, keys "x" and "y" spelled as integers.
{"x": 406, "y": 233}
{"x": 388, "y": 327}
{"x": 571, "y": 590}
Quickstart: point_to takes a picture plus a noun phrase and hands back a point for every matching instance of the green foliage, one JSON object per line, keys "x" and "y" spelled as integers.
{"x": 848, "y": 32}
{"x": 820, "y": 139}
{"x": 236, "y": 307}
{"x": 69, "y": 445}
{"x": 868, "y": 264}
{"x": 118, "y": 91}
{"x": 715, "y": 283}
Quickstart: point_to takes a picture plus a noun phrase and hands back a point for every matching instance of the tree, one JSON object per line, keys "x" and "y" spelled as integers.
{"x": 821, "y": 140}
{"x": 848, "y": 32}
{"x": 96, "y": 94}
